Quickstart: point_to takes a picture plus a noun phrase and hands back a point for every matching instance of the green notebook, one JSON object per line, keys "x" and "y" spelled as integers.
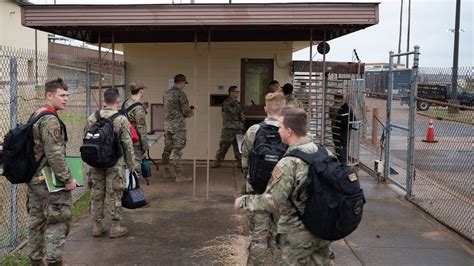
{"x": 54, "y": 185}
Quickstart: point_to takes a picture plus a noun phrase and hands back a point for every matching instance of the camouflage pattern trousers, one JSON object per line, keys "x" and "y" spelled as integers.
{"x": 107, "y": 188}
{"x": 303, "y": 248}
{"x": 50, "y": 217}
{"x": 227, "y": 139}
{"x": 137, "y": 150}
{"x": 262, "y": 239}
{"x": 174, "y": 142}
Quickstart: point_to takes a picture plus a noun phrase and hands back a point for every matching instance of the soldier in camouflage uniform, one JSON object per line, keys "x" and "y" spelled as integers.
{"x": 137, "y": 116}
{"x": 291, "y": 100}
{"x": 261, "y": 226}
{"x": 298, "y": 245}
{"x": 50, "y": 214}
{"x": 233, "y": 119}
{"x": 108, "y": 184}
{"x": 177, "y": 108}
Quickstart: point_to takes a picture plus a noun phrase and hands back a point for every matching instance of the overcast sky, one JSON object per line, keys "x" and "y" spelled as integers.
{"x": 431, "y": 21}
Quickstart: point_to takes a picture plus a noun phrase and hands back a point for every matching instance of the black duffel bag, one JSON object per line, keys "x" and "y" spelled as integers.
{"x": 133, "y": 196}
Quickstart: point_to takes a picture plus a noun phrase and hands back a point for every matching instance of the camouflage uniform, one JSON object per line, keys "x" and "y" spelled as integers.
{"x": 138, "y": 117}
{"x": 233, "y": 118}
{"x": 291, "y": 99}
{"x": 176, "y": 109}
{"x": 261, "y": 225}
{"x": 111, "y": 181}
{"x": 298, "y": 245}
{"x": 49, "y": 214}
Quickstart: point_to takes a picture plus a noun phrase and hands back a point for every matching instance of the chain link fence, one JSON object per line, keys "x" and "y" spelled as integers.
{"x": 23, "y": 74}
{"x": 443, "y": 182}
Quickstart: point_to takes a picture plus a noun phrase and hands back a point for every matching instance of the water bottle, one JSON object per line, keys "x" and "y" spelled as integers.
{"x": 146, "y": 172}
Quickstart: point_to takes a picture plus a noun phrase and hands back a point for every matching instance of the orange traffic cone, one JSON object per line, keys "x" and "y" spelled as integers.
{"x": 430, "y": 134}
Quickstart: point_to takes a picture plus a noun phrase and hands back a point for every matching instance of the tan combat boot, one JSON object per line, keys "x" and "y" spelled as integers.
{"x": 116, "y": 230}
{"x": 168, "y": 172}
{"x": 180, "y": 178}
{"x": 98, "y": 229}
{"x": 216, "y": 164}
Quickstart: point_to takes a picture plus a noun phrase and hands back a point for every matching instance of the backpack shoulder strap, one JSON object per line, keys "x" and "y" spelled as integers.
{"x": 123, "y": 105}
{"x": 133, "y": 106}
{"x": 33, "y": 119}
{"x": 112, "y": 117}
{"x": 97, "y": 115}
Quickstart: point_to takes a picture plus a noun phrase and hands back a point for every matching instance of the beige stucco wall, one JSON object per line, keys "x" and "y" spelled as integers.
{"x": 155, "y": 64}
{"x": 13, "y": 34}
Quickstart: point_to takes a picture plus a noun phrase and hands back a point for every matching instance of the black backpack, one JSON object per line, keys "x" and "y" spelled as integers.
{"x": 101, "y": 146}
{"x": 335, "y": 200}
{"x": 266, "y": 152}
{"x": 18, "y": 156}
{"x": 125, "y": 111}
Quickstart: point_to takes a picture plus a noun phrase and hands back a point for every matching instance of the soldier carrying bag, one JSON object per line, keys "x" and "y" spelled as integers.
{"x": 266, "y": 152}
{"x": 335, "y": 200}
{"x": 133, "y": 128}
{"x": 101, "y": 147}
{"x": 18, "y": 156}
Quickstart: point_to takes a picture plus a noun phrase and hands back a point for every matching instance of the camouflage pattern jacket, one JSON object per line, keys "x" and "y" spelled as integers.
{"x": 291, "y": 98}
{"x": 176, "y": 109}
{"x": 138, "y": 116}
{"x": 287, "y": 176}
{"x": 247, "y": 146}
{"x": 232, "y": 114}
{"x": 50, "y": 140}
{"x": 122, "y": 129}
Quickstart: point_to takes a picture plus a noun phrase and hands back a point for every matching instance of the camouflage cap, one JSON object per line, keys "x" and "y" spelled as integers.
{"x": 179, "y": 78}
{"x": 136, "y": 85}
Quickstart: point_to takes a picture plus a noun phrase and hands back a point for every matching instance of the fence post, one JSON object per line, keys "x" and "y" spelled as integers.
{"x": 411, "y": 124}
{"x": 388, "y": 121}
{"x": 88, "y": 90}
{"x": 13, "y": 123}
{"x": 364, "y": 123}
{"x": 375, "y": 125}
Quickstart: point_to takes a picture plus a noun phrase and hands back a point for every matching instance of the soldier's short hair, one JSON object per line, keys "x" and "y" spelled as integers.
{"x": 273, "y": 86}
{"x": 53, "y": 85}
{"x": 136, "y": 86}
{"x": 111, "y": 95}
{"x": 287, "y": 89}
{"x": 232, "y": 88}
{"x": 296, "y": 119}
{"x": 275, "y": 102}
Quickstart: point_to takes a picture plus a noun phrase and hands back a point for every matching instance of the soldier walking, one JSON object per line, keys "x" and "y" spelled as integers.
{"x": 108, "y": 184}
{"x": 137, "y": 116}
{"x": 177, "y": 108}
{"x": 50, "y": 213}
{"x": 233, "y": 119}
{"x": 298, "y": 245}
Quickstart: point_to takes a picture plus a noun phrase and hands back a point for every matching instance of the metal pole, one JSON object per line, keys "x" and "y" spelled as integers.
{"x": 323, "y": 88}
{"x": 310, "y": 87}
{"x": 113, "y": 59}
{"x": 100, "y": 71}
{"x": 400, "y": 32}
{"x": 36, "y": 57}
{"x": 208, "y": 110}
{"x": 88, "y": 89}
{"x": 454, "y": 78}
{"x": 13, "y": 123}
{"x": 411, "y": 124}
{"x": 388, "y": 126}
{"x": 408, "y": 32}
{"x": 195, "y": 116}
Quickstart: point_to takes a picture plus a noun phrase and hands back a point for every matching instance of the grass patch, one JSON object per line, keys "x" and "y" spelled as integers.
{"x": 73, "y": 118}
{"x": 81, "y": 205}
{"x": 465, "y": 116}
{"x": 18, "y": 258}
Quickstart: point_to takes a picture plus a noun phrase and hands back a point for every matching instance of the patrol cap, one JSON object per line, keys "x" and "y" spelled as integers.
{"x": 136, "y": 85}
{"x": 179, "y": 78}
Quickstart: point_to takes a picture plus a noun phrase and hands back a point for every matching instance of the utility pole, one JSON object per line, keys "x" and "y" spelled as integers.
{"x": 400, "y": 33}
{"x": 454, "y": 76}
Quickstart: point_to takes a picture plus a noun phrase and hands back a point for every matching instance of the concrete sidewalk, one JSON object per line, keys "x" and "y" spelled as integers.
{"x": 175, "y": 230}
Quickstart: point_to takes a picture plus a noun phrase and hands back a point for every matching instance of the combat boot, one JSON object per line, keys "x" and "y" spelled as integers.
{"x": 216, "y": 164}
{"x": 180, "y": 178}
{"x": 57, "y": 263}
{"x": 116, "y": 230}
{"x": 168, "y": 172}
{"x": 98, "y": 229}
{"x": 37, "y": 263}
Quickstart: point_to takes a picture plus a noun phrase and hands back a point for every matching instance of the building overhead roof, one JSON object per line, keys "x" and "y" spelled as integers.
{"x": 181, "y": 23}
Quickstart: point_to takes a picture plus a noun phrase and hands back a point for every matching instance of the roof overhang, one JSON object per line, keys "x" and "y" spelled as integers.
{"x": 185, "y": 22}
